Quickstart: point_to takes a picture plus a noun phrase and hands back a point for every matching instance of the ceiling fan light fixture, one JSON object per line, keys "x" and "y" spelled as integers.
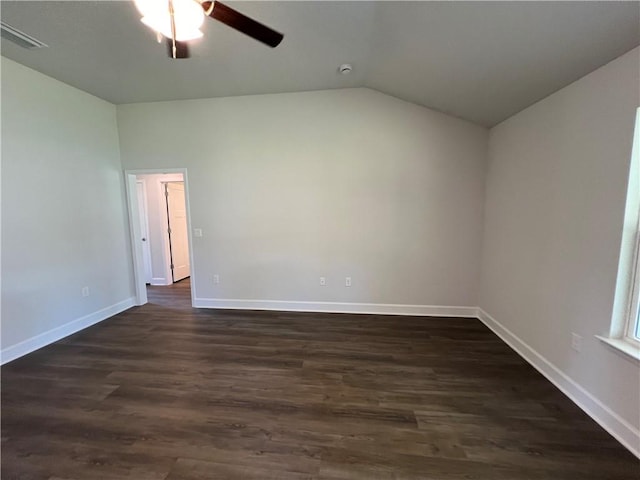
{"x": 188, "y": 17}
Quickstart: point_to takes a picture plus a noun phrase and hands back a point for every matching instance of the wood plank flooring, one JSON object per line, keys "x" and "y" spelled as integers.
{"x": 167, "y": 392}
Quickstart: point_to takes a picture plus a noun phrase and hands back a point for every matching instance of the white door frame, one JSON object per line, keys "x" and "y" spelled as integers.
{"x": 134, "y": 228}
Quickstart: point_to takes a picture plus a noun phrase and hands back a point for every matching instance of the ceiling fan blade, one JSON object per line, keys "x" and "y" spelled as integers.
{"x": 242, "y": 23}
{"x": 182, "y": 49}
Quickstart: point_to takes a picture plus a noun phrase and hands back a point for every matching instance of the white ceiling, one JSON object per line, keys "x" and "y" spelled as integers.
{"x": 482, "y": 61}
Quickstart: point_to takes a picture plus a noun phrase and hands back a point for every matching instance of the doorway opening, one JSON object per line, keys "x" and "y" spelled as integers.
{"x": 160, "y": 234}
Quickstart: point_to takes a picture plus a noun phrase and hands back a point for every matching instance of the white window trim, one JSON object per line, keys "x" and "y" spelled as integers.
{"x": 622, "y": 346}
{"x": 632, "y": 317}
{"x": 629, "y": 344}
{"x": 627, "y": 298}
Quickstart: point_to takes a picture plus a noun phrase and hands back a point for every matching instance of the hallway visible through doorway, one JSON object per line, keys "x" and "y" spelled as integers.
{"x": 159, "y": 222}
{"x": 163, "y": 216}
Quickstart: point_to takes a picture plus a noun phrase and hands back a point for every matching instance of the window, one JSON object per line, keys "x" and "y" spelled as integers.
{"x": 632, "y": 330}
{"x": 632, "y": 321}
{"x": 624, "y": 333}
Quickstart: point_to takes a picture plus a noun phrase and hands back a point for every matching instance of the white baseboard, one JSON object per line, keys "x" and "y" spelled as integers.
{"x": 618, "y": 427}
{"x": 337, "y": 307}
{"x": 58, "y": 333}
{"x": 159, "y": 281}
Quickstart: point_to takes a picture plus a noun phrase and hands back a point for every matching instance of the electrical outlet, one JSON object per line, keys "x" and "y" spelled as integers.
{"x": 197, "y": 232}
{"x": 216, "y": 279}
{"x": 576, "y": 342}
{"x": 323, "y": 281}
{"x": 347, "y": 281}
{"x": 85, "y": 291}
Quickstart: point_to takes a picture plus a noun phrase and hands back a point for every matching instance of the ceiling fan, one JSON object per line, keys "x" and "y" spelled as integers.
{"x": 179, "y": 21}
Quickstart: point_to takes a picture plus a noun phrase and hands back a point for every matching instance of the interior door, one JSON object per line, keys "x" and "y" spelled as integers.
{"x": 144, "y": 230}
{"x": 178, "y": 238}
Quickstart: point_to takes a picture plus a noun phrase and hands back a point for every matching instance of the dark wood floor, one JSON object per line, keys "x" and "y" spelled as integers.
{"x": 165, "y": 391}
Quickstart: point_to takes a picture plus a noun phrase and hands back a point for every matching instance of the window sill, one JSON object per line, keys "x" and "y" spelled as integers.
{"x": 630, "y": 351}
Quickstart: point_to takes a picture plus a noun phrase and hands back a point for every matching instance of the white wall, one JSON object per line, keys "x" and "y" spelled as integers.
{"x": 157, "y": 215}
{"x": 291, "y": 187}
{"x": 63, "y": 211}
{"x": 555, "y": 199}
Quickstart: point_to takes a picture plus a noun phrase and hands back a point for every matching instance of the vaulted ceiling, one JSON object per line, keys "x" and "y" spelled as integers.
{"x": 481, "y": 61}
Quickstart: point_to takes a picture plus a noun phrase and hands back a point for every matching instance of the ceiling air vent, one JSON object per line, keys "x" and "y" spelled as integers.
{"x": 19, "y": 38}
